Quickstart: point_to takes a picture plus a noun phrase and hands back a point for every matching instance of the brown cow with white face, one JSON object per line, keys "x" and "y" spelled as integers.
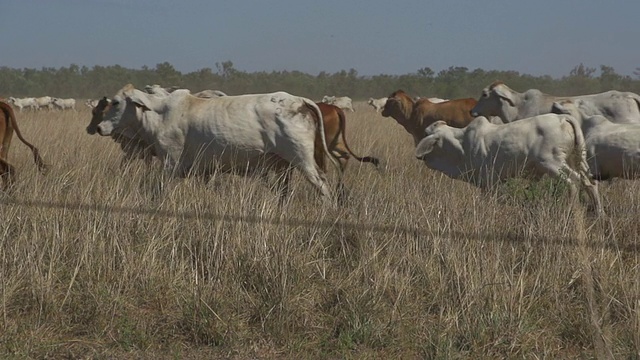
{"x": 7, "y": 126}
{"x": 416, "y": 116}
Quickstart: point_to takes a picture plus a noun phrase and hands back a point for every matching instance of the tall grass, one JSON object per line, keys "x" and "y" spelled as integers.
{"x": 94, "y": 264}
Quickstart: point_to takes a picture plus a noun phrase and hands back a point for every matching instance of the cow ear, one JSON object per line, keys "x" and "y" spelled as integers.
{"x": 427, "y": 145}
{"x": 144, "y": 101}
{"x": 507, "y": 95}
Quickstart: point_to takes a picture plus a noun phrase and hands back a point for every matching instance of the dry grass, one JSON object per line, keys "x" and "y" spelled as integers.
{"x": 94, "y": 265}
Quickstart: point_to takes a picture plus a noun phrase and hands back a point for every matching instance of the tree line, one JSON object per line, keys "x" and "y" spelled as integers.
{"x": 455, "y": 82}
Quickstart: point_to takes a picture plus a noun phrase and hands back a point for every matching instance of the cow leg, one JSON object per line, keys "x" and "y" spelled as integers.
{"x": 284, "y": 186}
{"x": 7, "y": 174}
{"x": 319, "y": 180}
{"x": 283, "y": 171}
{"x": 583, "y": 177}
{"x": 314, "y": 176}
{"x": 591, "y": 187}
{"x": 343, "y": 158}
{"x": 573, "y": 177}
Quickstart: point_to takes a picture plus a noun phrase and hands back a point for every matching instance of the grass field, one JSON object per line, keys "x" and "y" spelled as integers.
{"x": 94, "y": 265}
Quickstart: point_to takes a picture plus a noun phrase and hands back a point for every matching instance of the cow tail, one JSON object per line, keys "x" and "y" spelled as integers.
{"x": 580, "y": 150}
{"x": 323, "y": 138}
{"x": 343, "y": 131}
{"x": 637, "y": 100}
{"x": 11, "y": 117}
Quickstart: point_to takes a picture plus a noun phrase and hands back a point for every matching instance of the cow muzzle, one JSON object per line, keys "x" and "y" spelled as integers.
{"x": 105, "y": 129}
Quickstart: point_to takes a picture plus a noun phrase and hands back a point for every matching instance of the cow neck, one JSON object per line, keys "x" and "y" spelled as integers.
{"x": 151, "y": 124}
{"x": 459, "y": 147}
{"x": 416, "y": 124}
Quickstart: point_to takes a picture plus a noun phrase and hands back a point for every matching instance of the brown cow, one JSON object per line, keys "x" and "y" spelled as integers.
{"x": 416, "y": 116}
{"x": 8, "y": 125}
{"x": 335, "y": 133}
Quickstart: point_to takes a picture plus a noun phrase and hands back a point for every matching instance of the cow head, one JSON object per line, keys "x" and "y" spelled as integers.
{"x": 398, "y": 106}
{"x": 427, "y": 146}
{"x": 97, "y": 114}
{"x": 441, "y": 149}
{"x": 127, "y": 112}
{"x": 496, "y": 100}
{"x": 123, "y": 116}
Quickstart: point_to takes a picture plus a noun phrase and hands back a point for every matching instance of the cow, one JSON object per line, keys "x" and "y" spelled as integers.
{"x": 159, "y": 90}
{"x": 8, "y": 125}
{"x": 246, "y": 134}
{"x": 64, "y": 104}
{"x": 334, "y": 121}
{"x": 377, "y": 104}
{"x": 343, "y": 102}
{"x": 434, "y": 100}
{"x": 44, "y": 102}
{"x": 29, "y": 103}
{"x": 416, "y": 116}
{"x": 209, "y": 94}
{"x": 613, "y": 150}
{"x": 485, "y": 154}
{"x": 499, "y": 100}
{"x": 91, "y": 103}
{"x": 131, "y": 142}
{"x": 205, "y": 94}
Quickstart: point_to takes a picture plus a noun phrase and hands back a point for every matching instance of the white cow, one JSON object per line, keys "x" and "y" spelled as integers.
{"x": 343, "y": 102}
{"x": 209, "y": 94}
{"x": 44, "y": 102}
{"x": 377, "y": 104}
{"x": 232, "y": 133}
{"x": 64, "y": 104}
{"x": 92, "y": 103}
{"x": 485, "y": 154}
{"x": 499, "y": 100}
{"x": 156, "y": 89}
{"x": 130, "y": 140}
{"x": 434, "y": 100}
{"x": 613, "y": 150}
{"x": 29, "y": 103}
{"x": 160, "y": 91}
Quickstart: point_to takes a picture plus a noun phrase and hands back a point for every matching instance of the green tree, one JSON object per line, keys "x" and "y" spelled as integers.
{"x": 168, "y": 75}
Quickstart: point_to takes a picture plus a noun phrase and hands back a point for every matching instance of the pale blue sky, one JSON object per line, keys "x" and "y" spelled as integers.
{"x": 374, "y": 37}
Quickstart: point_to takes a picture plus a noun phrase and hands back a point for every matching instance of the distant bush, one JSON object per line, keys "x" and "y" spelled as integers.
{"x": 455, "y": 82}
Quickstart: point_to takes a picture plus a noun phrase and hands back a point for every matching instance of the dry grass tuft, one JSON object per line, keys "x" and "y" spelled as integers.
{"x": 94, "y": 263}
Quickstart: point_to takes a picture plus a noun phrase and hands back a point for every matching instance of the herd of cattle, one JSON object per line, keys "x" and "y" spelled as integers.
{"x": 43, "y": 103}
{"x": 503, "y": 134}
